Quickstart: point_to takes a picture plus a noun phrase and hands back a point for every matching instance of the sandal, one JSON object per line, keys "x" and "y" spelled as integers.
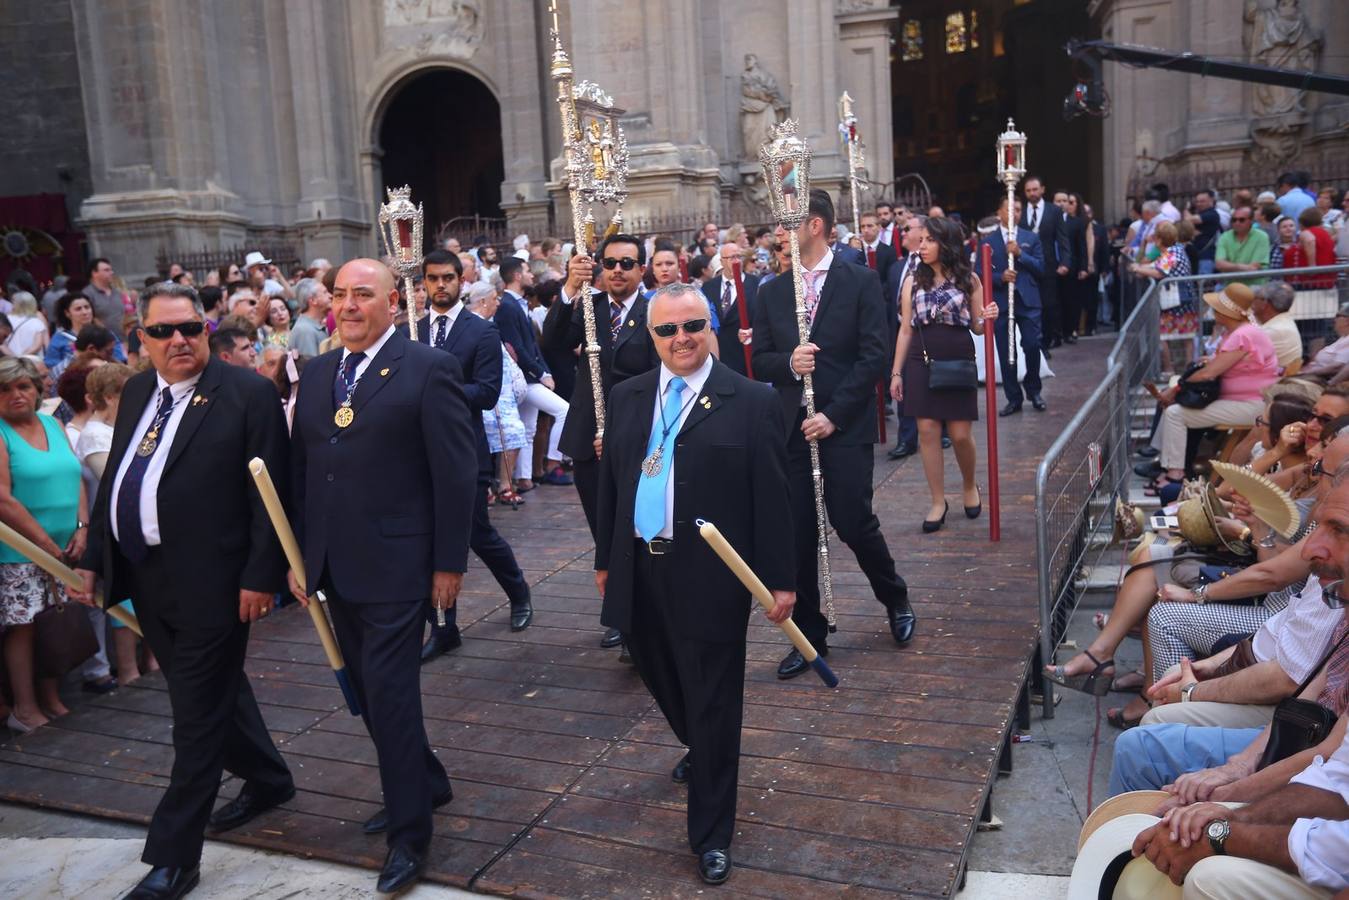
{"x": 1096, "y": 682}
{"x": 509, "y": 498}
{"x": 1115, "y": 716}
{"x": 1129, "y": 683}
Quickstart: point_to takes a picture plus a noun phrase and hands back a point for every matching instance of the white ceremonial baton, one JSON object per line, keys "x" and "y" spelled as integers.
{"x": 1011, "y": 169}
{"x": 60, "y": 571}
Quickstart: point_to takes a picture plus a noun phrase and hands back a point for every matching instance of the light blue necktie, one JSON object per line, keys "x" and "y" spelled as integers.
{"x": 650, "y": 512}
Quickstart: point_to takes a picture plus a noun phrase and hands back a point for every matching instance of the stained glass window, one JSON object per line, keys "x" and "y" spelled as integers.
{"x": 912, "y": 46}
{"x": 974, "y": 29}
{"x": 957, "y": 40}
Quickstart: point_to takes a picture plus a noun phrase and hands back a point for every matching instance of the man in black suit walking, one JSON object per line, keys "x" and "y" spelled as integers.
{"x": 723, "y": 296}
{"x": 385, "y": 474}
{"x": 716, "y": 441}
{"x": 184, "y": 435}
{"x": 625, "y": 350}
{"x": 847, "y": 354}
{"x": 476, "y": 343}
{"x": 1046, "y": 221}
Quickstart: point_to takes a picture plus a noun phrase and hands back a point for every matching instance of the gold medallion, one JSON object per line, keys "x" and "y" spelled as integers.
{"x": 148, "y": 444}
{"x": 652, "y": 465}
{"x": 344, "y": 416}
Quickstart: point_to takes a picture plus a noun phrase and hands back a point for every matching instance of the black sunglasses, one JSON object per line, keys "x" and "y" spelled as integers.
{"x": 1317, "y": 470}
{"x": 668, "y": 329}
{"x": 1322, "y": 418}
{"x": 627, "y": 263}
{"x": 165, "y": 331}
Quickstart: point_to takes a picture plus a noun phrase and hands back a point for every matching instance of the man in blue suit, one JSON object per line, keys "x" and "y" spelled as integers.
{"x": 476, "y": 343}
{"x": 383, "y": 459}
{"x": 1026, "y": 249}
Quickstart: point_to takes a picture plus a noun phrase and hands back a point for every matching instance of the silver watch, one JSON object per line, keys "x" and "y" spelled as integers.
{"x": 1186, "y": 691}
{"x": 1218, "y": 832}
{"x": 1200, "y": 593}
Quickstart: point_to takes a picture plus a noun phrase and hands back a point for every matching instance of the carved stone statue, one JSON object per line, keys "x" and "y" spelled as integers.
{"x": 1280, "y": 35}
{"x": 761, "y": 105}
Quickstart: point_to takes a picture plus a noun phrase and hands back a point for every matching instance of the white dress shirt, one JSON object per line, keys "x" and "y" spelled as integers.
{"x": 155, "y": 468}
{"x": 373, "y": 350}
{"x": 823, "y": 268}
{"x": 452, "y": 316}
{"x": 1297, "y": 636}
{"x": 1320, "y": 848}
{"x": 693, "y": 387}
{"x": 626, "y": 304}
{"x": 1035, "y": 215}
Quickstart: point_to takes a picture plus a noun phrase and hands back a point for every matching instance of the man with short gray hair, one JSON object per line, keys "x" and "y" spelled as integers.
{"x": 1271, "y": 309}
{"x": 309, "y": 330}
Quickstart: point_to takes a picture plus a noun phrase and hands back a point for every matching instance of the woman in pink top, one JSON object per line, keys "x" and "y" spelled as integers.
{"x": 1245, "y": 364}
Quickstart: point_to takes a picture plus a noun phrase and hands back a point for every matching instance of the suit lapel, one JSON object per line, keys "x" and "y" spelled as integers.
{"x": 635, "y": 319}
{"x": 135, "y": 395}
{"x": 710, "y": 400}
{"x": 457, "y": 330}
{"x": 198, "y": 408}
{"x": 380, "y": 370}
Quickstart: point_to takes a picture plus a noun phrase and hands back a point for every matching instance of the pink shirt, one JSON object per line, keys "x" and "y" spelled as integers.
{"x": 1257, "y": 371}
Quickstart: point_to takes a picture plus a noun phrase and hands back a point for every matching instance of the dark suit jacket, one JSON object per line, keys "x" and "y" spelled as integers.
{"x": 632, "y": 354}
{"x": 476, "y": 344}
{"x": 383, "y": 503}
{"x": 214, "y": 530}
{"x": 850, "y": 254}
{"x": 1075, "y": 230}
{"x": 851, "y": 333}
{"x": 1053, "y": 236}
{"x": 730, "y": 468}
{"x": 1030, "y": 267}
{"x": 517, "y": 329}
{"x": 728, "y": 338}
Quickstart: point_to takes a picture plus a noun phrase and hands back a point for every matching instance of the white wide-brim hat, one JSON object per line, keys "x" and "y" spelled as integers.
{"x": 1105, "y": 865}
{"x": 255, "y": 259}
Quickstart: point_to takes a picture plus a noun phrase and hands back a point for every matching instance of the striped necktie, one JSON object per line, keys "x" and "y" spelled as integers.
{"x": 615, "y": 318}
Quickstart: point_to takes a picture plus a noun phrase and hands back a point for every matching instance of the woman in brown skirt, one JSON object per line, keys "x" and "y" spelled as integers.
{"x": 939, "y": 309}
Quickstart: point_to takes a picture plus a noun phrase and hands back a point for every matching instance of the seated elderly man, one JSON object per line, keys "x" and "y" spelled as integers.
{"x": 1329, "y": 360}
{"x": 1271, "y": 308}
{"x": 1190, "y": 761}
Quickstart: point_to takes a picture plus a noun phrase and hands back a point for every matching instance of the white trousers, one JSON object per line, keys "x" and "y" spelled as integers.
{"x": 1233, "y": 878}
{"x": 539, "y": 399}
{"x": 1176, "y": 419}
{"x": 1208, "y": 714}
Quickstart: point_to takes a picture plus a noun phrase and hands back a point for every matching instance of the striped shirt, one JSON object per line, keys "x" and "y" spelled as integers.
{"x": 1298, "y": 636}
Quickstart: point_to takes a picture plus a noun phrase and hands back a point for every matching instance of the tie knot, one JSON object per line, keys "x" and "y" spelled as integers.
{"x": 166, "y": 398}
{"x": 677, "y": 385}
{"x": 354, "y": 360}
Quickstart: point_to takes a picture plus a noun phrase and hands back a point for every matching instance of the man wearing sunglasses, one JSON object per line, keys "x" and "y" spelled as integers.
{"x": 693, "y": 439}
{"x": 846, "y": 353}
{"x": 185, "y": 432}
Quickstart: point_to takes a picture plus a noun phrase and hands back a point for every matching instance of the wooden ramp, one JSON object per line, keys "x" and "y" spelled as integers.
{"x": 561, "y": 761}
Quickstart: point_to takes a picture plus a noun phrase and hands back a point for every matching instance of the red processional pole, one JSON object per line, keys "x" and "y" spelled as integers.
{"x": 741, "y": 305}
{"x": 991, "y": 386}
{"x": 683, "y": 269}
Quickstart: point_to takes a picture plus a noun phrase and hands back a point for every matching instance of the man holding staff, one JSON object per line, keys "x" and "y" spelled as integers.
{"x": 385, "y": 468}
{"x": 184, "y": 435}
{"x": 692, "y": 439}
{"x": 846, "y": 354}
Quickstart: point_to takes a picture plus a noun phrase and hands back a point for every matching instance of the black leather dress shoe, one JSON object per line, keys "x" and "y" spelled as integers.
{"x": 247, "y": 806}
{"x": 522, "y": 614}
{"x": 612, "y": 638}
{"x": 379, "y": 822}
{"x": 165, "y": 883}
{"x": 902, "y": 622}
{"x": 794, "y": 664}
{"x": 1010, "y": 409}
{"x": 438, "y": 645}
{"x": 1149, "y": 469}
{"x": 714, "y": 866}
{"x": 680, "y": 773}
{"x": 402, "y": 867}
{"x": 1039, "y": 403}
{"x": 901, "y": 450}
{"x": 1148, "y": 452}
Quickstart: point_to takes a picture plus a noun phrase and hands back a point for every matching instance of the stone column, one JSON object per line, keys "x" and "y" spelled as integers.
{"x": 864, "y": 72}
{"x": 524, "y": 95}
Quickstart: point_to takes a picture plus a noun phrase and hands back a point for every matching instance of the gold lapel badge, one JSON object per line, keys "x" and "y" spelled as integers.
{"x": 383, "y": 372}
{"x": 707, "y": 404}
{"x": 198, "y": 400}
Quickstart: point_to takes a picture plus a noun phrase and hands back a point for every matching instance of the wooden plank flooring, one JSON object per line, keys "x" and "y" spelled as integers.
{"x": 561, "y": 762}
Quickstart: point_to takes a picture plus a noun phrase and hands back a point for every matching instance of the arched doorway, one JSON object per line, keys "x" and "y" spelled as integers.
{"x": 441, "y": 134}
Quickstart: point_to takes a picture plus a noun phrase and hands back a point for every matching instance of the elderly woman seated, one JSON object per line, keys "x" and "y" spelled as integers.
{"x": 1244, "y": 365}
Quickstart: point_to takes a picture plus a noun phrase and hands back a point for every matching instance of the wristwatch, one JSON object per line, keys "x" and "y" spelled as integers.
{"x": 1269, "y": 541}
{"x": 1186, "y": 691}
{"x": 1200, "y": 593}
{"x": 1217, "y": 835}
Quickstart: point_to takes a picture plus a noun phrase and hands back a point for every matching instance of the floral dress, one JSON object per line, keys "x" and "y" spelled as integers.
{"x": 505, "y": 429}
{"x": 1180, "y": 322}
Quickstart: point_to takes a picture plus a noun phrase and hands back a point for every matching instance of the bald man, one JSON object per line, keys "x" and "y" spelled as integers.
{"x": 384, "y": 469}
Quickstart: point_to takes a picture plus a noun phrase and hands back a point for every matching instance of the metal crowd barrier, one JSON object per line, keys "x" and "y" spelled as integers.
{"x": 1088, "y": 465}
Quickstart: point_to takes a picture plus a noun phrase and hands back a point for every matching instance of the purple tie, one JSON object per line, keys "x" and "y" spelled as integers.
{"x": 812, "y": 295}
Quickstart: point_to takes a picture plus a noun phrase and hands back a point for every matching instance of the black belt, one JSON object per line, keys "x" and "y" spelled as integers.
{"x": 657, "y": 546}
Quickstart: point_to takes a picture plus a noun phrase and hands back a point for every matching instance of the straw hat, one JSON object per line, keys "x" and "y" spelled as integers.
{"x": 1234, "y": 302}
{"x": 1196, "y": 524}
{"x": 1145, "y": 802}
{"x": 1105, "y": 865}
{"x": 1271, "y": 503}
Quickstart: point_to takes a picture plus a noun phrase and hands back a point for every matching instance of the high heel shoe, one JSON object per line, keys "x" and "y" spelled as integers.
{"x": 929, "y": 526}
{"x": 972, "y": 512}
{"x": 14, "y": 723}
{"x": 1096, "y": 682}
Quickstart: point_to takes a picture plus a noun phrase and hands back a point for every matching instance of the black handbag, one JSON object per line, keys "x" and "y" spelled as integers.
{"x": 1299, "y": 724}
{"x": 63, "y": 638}
{"x": 949, "y": 374}
{"x": 1196, "y": 394}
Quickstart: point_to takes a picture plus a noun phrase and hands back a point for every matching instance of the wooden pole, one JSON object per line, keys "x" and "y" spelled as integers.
{"x": 742, "y": 305}
{"x": 61, "y": 572}
{"x": 991, "y": 386}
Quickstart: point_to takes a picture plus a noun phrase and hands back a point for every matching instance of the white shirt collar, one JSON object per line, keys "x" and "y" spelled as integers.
{"x": 452, "y": 314}
{"x": 825, "y": 261}
{"x": 693, "y": 381}
{"x": 373, "y": 350}
{"x": 181, "y": 389}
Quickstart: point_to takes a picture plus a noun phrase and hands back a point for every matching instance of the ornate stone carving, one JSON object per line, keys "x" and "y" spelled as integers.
{"x": 1279, "y": 34}
{"x": 855, "y": 6}
{"x": 448, "y": 27}
{"x": 761, "y": 106}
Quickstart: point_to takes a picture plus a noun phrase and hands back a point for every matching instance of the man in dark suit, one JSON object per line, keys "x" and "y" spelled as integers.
{"x": 880, "y": 257}
{"x": 476, "y": 344}
{"x": 846, "y": 353}
{"x": 1029, "y": 255}
{"x": 721, "y": 293}
{"x": 184, "y": 435}
{"x": 718, "y": 439}
{"x": 1046, "y": 221}
{"x": 385, "y": 480}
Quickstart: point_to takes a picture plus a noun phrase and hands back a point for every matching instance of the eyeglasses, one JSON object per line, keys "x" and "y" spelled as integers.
{"x": 1261, "y": 422}
{"x": 1317, "y": 470}
{"x": 668, "y": 329}
{"x": 627, "y": 263}
{"x": 164, "y": 331}
{"x": 1322, "y": 418}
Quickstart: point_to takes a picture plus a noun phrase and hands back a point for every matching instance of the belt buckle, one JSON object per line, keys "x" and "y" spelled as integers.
{"x": 659, "y": 546}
